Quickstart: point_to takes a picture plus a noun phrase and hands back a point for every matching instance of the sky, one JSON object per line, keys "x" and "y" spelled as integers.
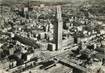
{"x": 73, "y": 1}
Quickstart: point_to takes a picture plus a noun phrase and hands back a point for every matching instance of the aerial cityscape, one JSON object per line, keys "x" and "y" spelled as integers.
{"x": 52, "y": 36}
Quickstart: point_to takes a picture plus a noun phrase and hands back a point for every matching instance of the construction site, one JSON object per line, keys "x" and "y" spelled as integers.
{"x": 52, "y": 36}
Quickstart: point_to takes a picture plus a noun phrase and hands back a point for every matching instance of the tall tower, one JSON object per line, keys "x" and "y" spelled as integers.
{"x": 58, "y": 29}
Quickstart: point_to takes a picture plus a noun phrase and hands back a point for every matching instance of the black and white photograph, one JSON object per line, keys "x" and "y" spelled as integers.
{"x": 52, "y": 36}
